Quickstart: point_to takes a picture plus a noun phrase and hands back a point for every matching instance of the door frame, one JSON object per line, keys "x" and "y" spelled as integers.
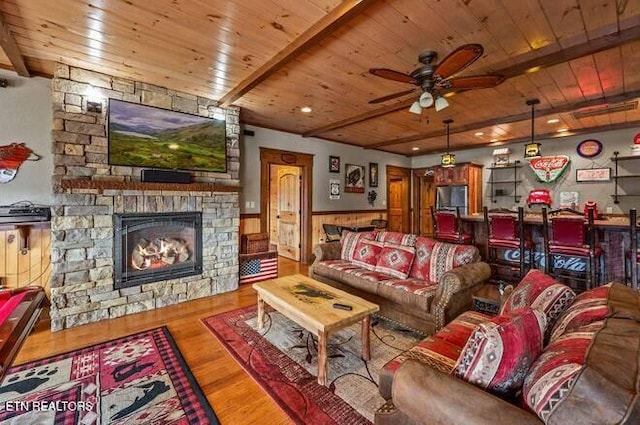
{"x": 393, "y": 172}
{"x": 269, "y": 156}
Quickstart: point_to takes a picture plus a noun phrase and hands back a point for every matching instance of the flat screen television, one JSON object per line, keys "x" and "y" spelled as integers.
{"x": 146, "y": 136}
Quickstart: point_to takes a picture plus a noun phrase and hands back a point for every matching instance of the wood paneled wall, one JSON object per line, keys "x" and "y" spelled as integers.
{"x": 33, "y": 267}
{"x": 250, "y": 223}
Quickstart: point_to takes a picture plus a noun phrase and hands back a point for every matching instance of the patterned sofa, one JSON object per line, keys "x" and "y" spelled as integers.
{"x": 416, "y": 281}
{"x": 548, "y": 358}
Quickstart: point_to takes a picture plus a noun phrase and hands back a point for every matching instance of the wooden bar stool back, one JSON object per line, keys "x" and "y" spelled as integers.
{"x": 505, "y": 231}
{"x": 571, "y": 236}
{"x": 632, "y": 257}
{"x": 447, "y": 227}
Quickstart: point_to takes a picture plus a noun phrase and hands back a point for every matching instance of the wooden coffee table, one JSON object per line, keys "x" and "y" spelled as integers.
{"x": 309, "y": 303}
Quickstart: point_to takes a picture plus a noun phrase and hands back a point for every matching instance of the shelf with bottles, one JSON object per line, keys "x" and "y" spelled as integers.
{"x": 617, "y": 178}
{"x": 511, "y": 179}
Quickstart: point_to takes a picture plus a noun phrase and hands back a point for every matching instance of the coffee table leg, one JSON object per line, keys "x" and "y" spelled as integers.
{"x": 260, "y": 312}
{"x": 366, "y": 350}
{"x": 322, "y": 358}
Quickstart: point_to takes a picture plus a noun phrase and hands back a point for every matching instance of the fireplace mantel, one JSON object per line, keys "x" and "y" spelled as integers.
{"x": 101, "y": 185}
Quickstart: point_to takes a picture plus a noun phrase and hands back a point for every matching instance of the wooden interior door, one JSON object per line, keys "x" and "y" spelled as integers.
{"x": 398, "y": 199}
{"x": 288, "y": 214}
{"x": 397, "y": 205}
{"x": 427, "y": 199}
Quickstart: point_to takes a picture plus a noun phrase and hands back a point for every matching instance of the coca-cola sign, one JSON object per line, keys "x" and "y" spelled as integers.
{"x": 549, "y": 168}
{"x": 574, "y": 264}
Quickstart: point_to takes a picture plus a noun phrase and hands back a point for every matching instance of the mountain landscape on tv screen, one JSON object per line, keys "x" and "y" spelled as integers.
{"x": 143, "y": 136}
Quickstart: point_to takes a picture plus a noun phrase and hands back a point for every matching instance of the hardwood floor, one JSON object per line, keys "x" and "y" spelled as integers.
{"x": 232, "y": 393}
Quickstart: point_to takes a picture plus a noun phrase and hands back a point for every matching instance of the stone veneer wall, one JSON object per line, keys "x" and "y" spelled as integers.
{"x": 82, "y": 284}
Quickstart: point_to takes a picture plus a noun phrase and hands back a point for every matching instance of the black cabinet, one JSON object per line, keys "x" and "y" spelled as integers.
{"x": 503, "y": 182}
{"x": 622, "y": 179}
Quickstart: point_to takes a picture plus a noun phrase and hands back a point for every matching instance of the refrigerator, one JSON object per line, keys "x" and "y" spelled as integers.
{"x": 450, "y": 197}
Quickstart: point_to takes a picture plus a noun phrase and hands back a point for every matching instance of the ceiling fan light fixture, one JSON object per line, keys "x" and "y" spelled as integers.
{"x": 441, "y": 103}
{"x": 415, "y": 108}
{"x": 426, "y": 99}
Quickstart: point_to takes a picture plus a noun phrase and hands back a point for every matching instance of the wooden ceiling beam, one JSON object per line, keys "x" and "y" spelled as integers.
{"x": 310, "y": 38}
{"x": 511, "y": 118}
{"x": 10, "y": 47}
{"x": 554, "y": 135}
{"x": 590, "y": 47}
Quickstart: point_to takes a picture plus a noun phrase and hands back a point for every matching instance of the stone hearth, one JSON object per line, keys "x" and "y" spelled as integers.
{"x": 88, "y": 192}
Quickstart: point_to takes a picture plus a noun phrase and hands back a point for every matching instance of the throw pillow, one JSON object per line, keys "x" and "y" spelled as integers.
{"x": 554, "y": 373}
{"x": 397, "y": 238}
{"x": 366, "y": 254}
{"x": 349, "y": 241}
{"x": 499, "y": 353}
{"x": 437, "y": 258}
{"x": 541, "y": 292}
{"x": 422, "y": 261}
{"x": 395, "y": 260}
{"x": 588, "y": 307}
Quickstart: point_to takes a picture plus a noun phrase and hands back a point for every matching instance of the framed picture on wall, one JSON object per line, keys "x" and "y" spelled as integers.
{"x": 334, "y": 164}
{"x": 354, "y": 178}
{"x": 593, "y": 175}
{"x": 334, "y": 189}
{"x": 373, "y": 174}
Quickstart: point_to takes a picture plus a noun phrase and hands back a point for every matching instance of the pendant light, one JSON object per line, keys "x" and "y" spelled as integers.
{"x": 532, "y": 149}
{"x": 448, "y": 159}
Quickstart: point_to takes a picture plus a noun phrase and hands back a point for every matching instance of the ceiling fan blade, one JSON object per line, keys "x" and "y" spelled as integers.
{"x": 458, "y": 60}
{"x": 391, "y": 96}
{"x": 390, "y": 74}
{"x": 473, "y": 82}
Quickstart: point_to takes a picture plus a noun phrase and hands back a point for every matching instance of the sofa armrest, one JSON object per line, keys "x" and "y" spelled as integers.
{"x": 431, "y": 397}
{"x": 455, "y": 289}
{"x": 327, "y": 251}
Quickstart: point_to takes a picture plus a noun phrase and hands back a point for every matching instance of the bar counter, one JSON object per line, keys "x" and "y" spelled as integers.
{"x": 612, "y": 235}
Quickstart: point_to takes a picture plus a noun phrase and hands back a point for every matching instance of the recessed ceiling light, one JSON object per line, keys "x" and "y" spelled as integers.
{"x": 553, "y": 121}
{"x": 493, "y": 140}
{"x": 534, "y": 69}
{"x": 563, "y": 130}
{"x": 479, "y": 133}
{"x": 415, "y": 148}
{"x": 306, "y": 109}
{"x": 450, "y": 94}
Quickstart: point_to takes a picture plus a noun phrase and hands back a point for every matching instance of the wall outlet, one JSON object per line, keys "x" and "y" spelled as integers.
{"x": 247, "y": 204}
{"x": 253, "y": 204}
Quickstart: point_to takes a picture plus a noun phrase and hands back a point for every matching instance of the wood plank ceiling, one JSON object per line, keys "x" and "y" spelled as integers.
{"x": 272, "y": 57}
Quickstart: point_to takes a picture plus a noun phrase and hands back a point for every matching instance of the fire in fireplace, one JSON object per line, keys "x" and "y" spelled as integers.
{"x": 156, "y": 246}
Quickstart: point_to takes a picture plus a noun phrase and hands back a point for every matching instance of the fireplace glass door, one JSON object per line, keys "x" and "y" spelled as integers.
{"x": 157, "y": 246}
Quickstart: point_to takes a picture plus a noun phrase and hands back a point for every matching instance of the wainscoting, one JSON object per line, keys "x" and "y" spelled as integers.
{"x": 250, "y": 223}
{"x": 33, "y": 267}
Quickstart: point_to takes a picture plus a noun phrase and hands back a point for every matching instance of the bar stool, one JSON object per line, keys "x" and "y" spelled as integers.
{"x": 631, "y": 267}
{"x": 447, "y": 227}
{"x": 506, "y": 231}
{"x": 571, "y": 236}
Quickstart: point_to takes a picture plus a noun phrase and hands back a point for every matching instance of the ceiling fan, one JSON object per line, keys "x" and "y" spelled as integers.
{"x": 433, "y": 79}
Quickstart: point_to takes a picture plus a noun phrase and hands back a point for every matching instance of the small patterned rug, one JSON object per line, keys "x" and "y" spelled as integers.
{"x": 140, "y": 378}
{"x": 282, "y": 358}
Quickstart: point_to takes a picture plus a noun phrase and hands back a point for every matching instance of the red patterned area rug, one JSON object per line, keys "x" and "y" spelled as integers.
{"x": 137, "y": 379}
{"x": 282, "y": 358}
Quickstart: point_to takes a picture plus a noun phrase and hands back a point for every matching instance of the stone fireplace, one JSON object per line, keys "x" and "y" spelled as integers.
{"x": 90, "y": 197}
{"x": 156, "y": 246}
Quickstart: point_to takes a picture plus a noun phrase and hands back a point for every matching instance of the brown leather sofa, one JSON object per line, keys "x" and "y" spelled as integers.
{"x": 427, "y": 308}
{"x": 605, "y": 391}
